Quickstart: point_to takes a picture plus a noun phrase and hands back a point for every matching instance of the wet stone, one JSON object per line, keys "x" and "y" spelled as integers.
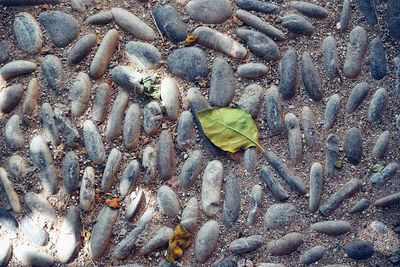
{"x": 17, "y": 68}
{"x": 288, "y": 74}
{"x": 115, "y": 119}
{"x": 357, "y": 95}
{"x": 152, "y": 117}
{"x": 87, "y": 190}
{"x": 222, "y": 83}
{"x": 285, "y": 245}
{"x": 367, "y": 7}
{"x": 12, "y": 131}
{"x": 61, "y": 27}
{"x": 273, "y": 185}
{"x": 309, "y": 9}
{"x": 7, "y": 220}
{"x": 33, "y": 232}
{"x": 252, "y": 70}
{"x": 166, "y": 159}
{"x": 312, "y": 255}
{"x": 353, "y": 148}
{"x": 149, "y": 163}
{"x": 188, "y": 63}
{"x": 311, "y": 78}
{"x": 17, "y": 167}
{"x": 129, "y": 177}
{"x": 100, "y": 18}
{"x": 392, "y": 17}
{"x": 101, "y": 102}
{"x": 246, "y": 244}
{"x": 280, "y": 215}
{"x": 5, "y": 251}
{"x": 359, "y": 250}
{"x": 170, "y": 97}
{"x": 41, "y": 211}
{"x": 53, "y": 73}
{"x": 379, "y": 179}
{"x": 250, "y": 159}
{"x": 331, "y": 155}
{"x": 231, "y": 206}
{"x": 10, "y": 97}
{"x": 143, "y": 55}
{"x": 295, "y": 142}
{"x": 258, "y": 6}
{"x": 111, "y": 169}
{"x": 378, "y": 105}
{"x": 259, "y": 44}
{"x": 381, "y": 145}
{"x": 191, "y": 169}
{"x": 137, "y": 198}
{"x": 211, "y": 187}
{"x": 69, "y": 236}
{"x": 316, "y": 185}
{"x": 69, "y": 133}
{"x": 331, "y": 111}
{"x": 104, "y": 54}
{"x": 30, "y": 256}
{"x": 160, "y": 238}
{"x": 190, "y": 214}
{"x": 256, "y": 196}
{"x": 344, "y": 16}
{"x": 309, "y": 128}
{"x": 359, "y": 206}
{"x": 132, "y": 126}
{"x": 185, "y": 129}
{"x": 209, "y": 11}
{"x": 70, "y": 171}
{"x": 377, "y": 58}
{"x": 8, "y": 187}
{"x": 168, "y": 201}
{"x": 49, "y": 125}
{"x": 297, "y": 24}
{"x": 28, "y": 33}
{"x": 273, "y": 110}
{"x": 356, "y": 50}
{"x": 206, "y": 241}
{"x": 330, "y": 57}
{"x": 171, "y": 23}
{"x": 4, "y": 52}
{"x": 93, "y": 143}
{"x": 332, "y": 228}
{"x": 82, "y": 48}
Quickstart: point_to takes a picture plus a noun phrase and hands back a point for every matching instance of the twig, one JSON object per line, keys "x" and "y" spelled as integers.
{"x": 155, "y": 23}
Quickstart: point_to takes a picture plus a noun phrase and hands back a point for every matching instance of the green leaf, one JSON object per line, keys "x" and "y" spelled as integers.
{"x": 229, "y": 129}
{"x": 150, "y": 88}
{"x": 378, "y": 167}
{"x": 339, "y": 164}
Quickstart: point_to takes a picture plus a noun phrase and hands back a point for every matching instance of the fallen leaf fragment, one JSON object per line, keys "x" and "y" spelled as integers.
{"x": 114, "y": 203}
{"x": 179, "y": 241}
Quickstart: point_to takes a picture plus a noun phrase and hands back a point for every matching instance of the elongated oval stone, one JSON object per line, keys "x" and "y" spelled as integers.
{"x": 377, "y": 56}
{"x": 10, "y": 97}
{"x": 251, "y": 99}
{"x": 159, "y": 239}
{"x": 101, "y": 102}
{"x": 190, "y": 215}
{"x": 143, "y": 55}
{"x": 69, "y": 237}
{"x": 311, "y": 78}
{"x": 357, "y": 95}
{"x": 53, "y": 73}
{"x": 331, "y": 154}
{"x": 168, "y": 201}
{"x": 27, "y": 33}
{"x": 231, "y": 206}
{"x": 256, "y": 197}
{"x": 137, "y": 198}
{"x": 331, "y": 111}
{"x": 70, "y": 172}
{"x": 206, "y": 241}
{"x": 381, "y": 145}
{"x": 30, "y": 103}
{"x": 259, "y": 44}
{"x": 129, "y": 177}
{"x": 222, "y": 83}
{"x": 359, "y": 206}
{"x": 309, "y": 128}
{"x": 50, "y": 129}
{"x": 8, "y": 186}
{"x": 379, "y": 179}
{"x": 330, "y": 57}
{"x": 285, "y": 245}
{"x": 170, "y": 97}
{"x": 61, "y": 27}
{"x": 295, "y": 142}
{"x": 273, "y": 110}
{"x": 101, "y": 18}
{"x": 333, "y": 228}
{"x": 273, "y": 185}
{"x": 17, "y": 68}
{"x": 87, "y": 191}
{"x": 316, "y": 185}
{"x": 166, "y": 161}
{"x": 368, "y": 8}
{"x": 12, "y": 131}
{"x": 246, "y": 244}
{"x": 149, "y": 163}
{"x": 132, "y": 126}
{"x": 17, "y": 167}
{"x": 344, "y": 16}
{"x": 188, "y": 63}
{"x": 111, "y": 169}
{"x": 288, "y": 75}
{"x": 353, "y": 148}
{"x": 93, "y": 143}
{"x": 312, "y": 255}
{"x": 82, "y": 48}
{"x": 211, "y": 188}
{"x": 392, "y": 17}
{"x": 170, "y": 22}
{"x": 33, "y": 231}
{"x": 69, "y": 133}
{"x": 40, "y": 153}
{"x": 41, "y": 209}
{"x": 152, "y": 117}
{"x": 258, "y": 6}
{"x": 211, "y": 12}
{"x": 104, "y": 54}
{"x": 297, "y": 24}
{"x": 356, "y": 50}
{"x": 378, "y": 105}
{"x": 279, "y": 215}
{"x": 185, "y": 129}
{"x": 79, "y": 94}
{"x": 309, "y": 9}
{"x": 191, "y": 169}
{"x": 115, "y": 119}
{"x": 252, "y": 70}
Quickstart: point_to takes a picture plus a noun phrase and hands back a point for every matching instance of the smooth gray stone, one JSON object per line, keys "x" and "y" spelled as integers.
{"x": 49, "y": 124}
{"x": 125, "y": 246}
{"x": 10, "y": 97}
{"x": 102, "y": 232}
{"x": 5, "y": 52}
{"x": 316, "y": 185}
{"x": 9, "y": 190}
{"x": 396, "y": 62}
{"x": 331, "y": 155}
{"x": 28, "y": 33}
{"x": 170, "y": 22}
{"x": 252, "y": 70}
{"x": 134, "y": 205}
{"x": 312, "y": 255}
{"x": 331, "y": 111}
{"x": 251, "y": 99}
{"x": 132, "y": 24}
{"x": 7, "y": 221}
{"x": 332, "y": 228}
{"x": 339, "y": 196}
{"x": 393, "y": 18}
{"x": 168, "y": 201}
{"x": 344, "y": 16}
{"x": 359, "y": 250}
{"x": 101, "y": 102}
{"x": 82, "y": 48}
{"x": 188, "y": 63}
{"x": 231, "y": 206}
{"x": 356, "y": 50}
{"x": 87, "y": 191}
{"x": 377, "y": 58}
{"x": 5, "y": 251}
{"x": 166, "y": 160}
{"x": 101, "y": 18}
{"x": 69, "y": 133}
{"x": 279, "y": 216}
{"x": 170, "y": 97}
{"x": 378, "y": 105}
{"x": 258, "y": 6}
{"x": 288, "y": 74}
{"x": 103, "y": 55}
{"x": 381, "y": 145}
{"x": 285, "y": 245}
{"x": 356, "y": 97}
{"x": 114, "y": 123}
{"x": 359, "y": 206}
{"x": 129, "y": 177}
{"x": 185, "y": 129}
{"x": 389, "y": 200}
{"x": 222, "y": 83}
{"x": 353, "y": 149}
{"x": 281, "y": 168}
{"x": 297, "y": 24}
{"x": 379, "y": 179}
{"x": 311, "y": 78}
{"x": 191, "y": 169}
{"x": 259, "y": 44}
{"x": 259, "y": 24}
{"x": 12, "y": 131}
{"x": 368, "y": 9}
{"x": 225, "y": 262}
{"x": 250, "y": 159}
{"x": 190, "y": 214}
{"x": 255, "y": 203}
{"x": 61, "y": 27}
{"x": 50, "y": 178}
{"x": 220, "y": 42}
{"x": 93, "y": 143}
{"x": 28, "y": 2}
{"x": 132, "y": 126}
{"x": 30, "y": 103}
{"x": 53, "y": 73}
{"x": 83, "y": 5}
{"x": 159, "y": 239}
{"x": 209, "y": 11}
{"x": 17, "y": 68}
{"x": 69, "y": 237}
{"x": 273, "y": 185}
{"x": 206, "y": 241}
{"x": 41, "y": 211}
{"x": 30, "y": 256}
{"x": 310, "y": 10}
{"x": 211, "y": 187}
{"x": 149, "y": 163}
{"x": 330, "y": 57}
{"x": 127, "y": 77}
{"x": 295, "y": 143}
{"x": 17, "y": 167}
{"x": 111, "y": 169}
{"x": 273, "y": 110}
{"x": 143, "y": 55}
{"x": 70, "y": 171}
{"x": 79, "y": 94}
{"x": 309, "y": 128}
{"x": 246, "y": 244}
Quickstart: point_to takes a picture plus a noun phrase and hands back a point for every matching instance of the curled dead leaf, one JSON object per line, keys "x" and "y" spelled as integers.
{"x": 190, "y": 40}
{"x": 179, "y": 240}
{"x": 114, "y": 203}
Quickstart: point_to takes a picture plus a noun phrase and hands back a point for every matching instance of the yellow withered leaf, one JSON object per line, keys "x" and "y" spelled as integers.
{"x": 190, "y": 40}
{"x": 179, "y": 240}
{"x": 114, "y": 203}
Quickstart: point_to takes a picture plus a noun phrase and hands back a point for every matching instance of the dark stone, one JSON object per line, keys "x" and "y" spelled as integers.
{"x": 5, "y": 52}
{"x": 273, "y": 185}
{"x": 259, "y": 44}
{"x": 359, "y": 250}
{"x": 256, "y": 197}
{"x": 246, "y": 244}
{"x": 70, "y": 172}
{"x": 359, "y": 206}
{"x": 332, "y": 228}
{"x": 331, "y": 57}
{"x": 273, "y": 110}
{"x": 393, "y": 17}
{"x": 143, "y": 55}
{"x": 367, "y": 7}
{"x": 170, "y": 22}
{"x": 295, "y": 142}
{"x": 222, "y": 83}
{"x": 93, "y": 143}
{"x": 129, "y": 177}
{"x": 357, "y": 95}
{"x": 389, "y": 200}
{"x": 378, "y": 105}
{"x": 10, "y": 97}
{"x": 191, "y": 169}
{"x": 252, "y": 70}
{"x": 345, "y": 16}
{"x": 331, "y": 154}
{"x": 82, "y": 48}
{"x": 132, "y": 126}
{"x": 381, "y": 145}
{"x": 279, "y": 216}
{"x": 7, "y": 220}
{"x": 231, "y": 206}
{"x": 188, "y": 63}
{"x": 209, "y": 11}
{"x": 225, "y": 262}
{"x": 288, "y": 75}
{"x": 353, "y": 148}
{"x": 316, "y": 185}
{"x": 377, "y": 57}
{"x": 258, "y": 6}
{"x": 356, "y": 50}
{"x": 61, "y": 27}
{"x": 311, "y": 78}
{"x": 53, "y": 73}
{"x": 312, "y": 255}
{"x": 297, "y": 24}
{"x": 331, "y": 111}
{"x": 309, "y": 9}
{"x": 185, "y": 129}
{"x": 100, "y": 18}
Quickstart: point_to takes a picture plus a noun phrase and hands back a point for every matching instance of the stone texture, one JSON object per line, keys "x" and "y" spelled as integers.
{"x": 356, "y": 50}
{"x": 132, "y": 24}
{"x": 246, "y": 244}
{"x": 251, "y": 99}
{"x": 377, "y": 58}
{"x": 331, "y": 111}
{"x": 259, "y": 44}
{"x": 252, "y": 70}
{"x": 209, "y": 11}
{"x": 93, "y": 143}
{"x": 330, "y": 57}
{"x": 295, "y": 143}
{"x": 353, "y": 148}
{"x": 222, "y": 83}
{"x": 188, "y": 63}
{"x": 285, "y": 245}
{"x": 79, "y": 94}
{"x": 378, "y": 104}
{"x": 359, "y": 250}
{"x": 331, "y": 155}
{"x": 309, "y": 9}
{"x": 10, "y": 97}
{"x": 17, "y": 68}
{"x": 273, "y": 110}
{"x": 356, "y": 97}
{"x": 211, "y": 188}
{"x": 368, "y": 9}
{"x": 311, "y": 78}
{"x": 170, "y": 97}
{"x": 279, "y": 216}
{"x": 166, "y": 160}
{"x": 28, "y": 33}
{"x": 171, "y": 23}
{"x": 191, "y": 169}
{"x": 168, "y": 201}
{"x": 288, "y": 74}
{"x": 231, "y": 206}
{"x": 104, "y": 54}
{"x": 82, "y": 48}
{"x": 132, "y": 126}
{"x": 61, "y": 27}
{"x": 112, "y": 167}
{"x": 143, "y": 55}
{"x": 316, "y": 185}
{"x": 206, "y": 241}
{"x": 129, "y": 177}
{"x": 332, "y": 228}
{"x": 298, "y": 25}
